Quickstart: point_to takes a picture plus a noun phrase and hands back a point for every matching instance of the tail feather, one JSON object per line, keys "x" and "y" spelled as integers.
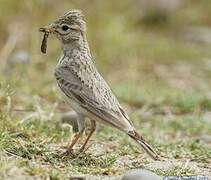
{"x": 142, "y": 142}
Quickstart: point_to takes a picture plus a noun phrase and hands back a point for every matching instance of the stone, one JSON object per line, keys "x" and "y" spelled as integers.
{"x": 21, "y": 57}
{"x": 140, "y": 174}
{"x": 206, "y": 139}
{"x": 71, "y": 119}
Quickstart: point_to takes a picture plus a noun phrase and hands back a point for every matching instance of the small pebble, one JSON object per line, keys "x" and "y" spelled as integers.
{"x": 21, "y": 57}
{"x": 71, "y": 119}
{"x": 140, "y": 174}
{"x": 206, "y": 139}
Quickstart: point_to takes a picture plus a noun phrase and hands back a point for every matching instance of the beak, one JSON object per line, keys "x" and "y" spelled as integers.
{"x": 47, "y": 29}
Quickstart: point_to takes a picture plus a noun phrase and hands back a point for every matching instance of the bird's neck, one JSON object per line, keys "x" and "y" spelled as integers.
{"x": 80, "y": 46}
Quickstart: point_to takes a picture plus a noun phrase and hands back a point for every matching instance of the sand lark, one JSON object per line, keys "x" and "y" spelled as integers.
{"x": 81, "y": 84}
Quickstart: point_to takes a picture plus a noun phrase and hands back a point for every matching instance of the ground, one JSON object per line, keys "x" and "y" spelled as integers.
{"x": 160, "y": 74}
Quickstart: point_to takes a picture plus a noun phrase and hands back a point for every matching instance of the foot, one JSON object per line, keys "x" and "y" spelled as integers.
{"x": 68, "y": 152}
{"x": 84, "y": 148}
{"x": 81, "y": 150}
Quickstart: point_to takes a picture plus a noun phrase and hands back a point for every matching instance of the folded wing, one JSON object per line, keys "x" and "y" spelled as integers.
{"x": 100, "y": 103}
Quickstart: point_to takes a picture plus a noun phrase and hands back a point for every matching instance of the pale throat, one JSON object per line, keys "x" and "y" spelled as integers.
{"x": 79, "y": 45}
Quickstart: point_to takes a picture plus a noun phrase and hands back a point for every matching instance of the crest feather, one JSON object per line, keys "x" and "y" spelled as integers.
{"x": 74, "y": 13}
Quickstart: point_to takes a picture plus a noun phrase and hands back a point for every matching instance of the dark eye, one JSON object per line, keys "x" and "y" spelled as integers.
{"x": 65, "y": 27}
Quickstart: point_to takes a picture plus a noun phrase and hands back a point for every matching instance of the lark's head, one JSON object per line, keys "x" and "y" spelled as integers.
{"x": 68, "y": 28}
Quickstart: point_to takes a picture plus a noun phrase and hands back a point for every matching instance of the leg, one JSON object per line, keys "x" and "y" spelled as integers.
{"x": 92, "y": 129}
{"x": 81, "y": 127}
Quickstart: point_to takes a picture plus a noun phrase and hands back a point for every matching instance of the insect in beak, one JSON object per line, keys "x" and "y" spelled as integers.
{"x": 46, "y": 32}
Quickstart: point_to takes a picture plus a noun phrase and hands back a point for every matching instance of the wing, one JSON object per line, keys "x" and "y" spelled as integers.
{"x": 96, "y": 98}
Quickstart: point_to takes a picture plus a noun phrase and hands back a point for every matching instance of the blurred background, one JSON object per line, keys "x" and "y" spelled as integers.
{"x": 155, "y": 54}
{"x": 138, "y": 45}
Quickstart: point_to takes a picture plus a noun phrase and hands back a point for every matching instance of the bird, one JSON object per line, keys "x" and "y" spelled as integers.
{"x": 81, "y": 84}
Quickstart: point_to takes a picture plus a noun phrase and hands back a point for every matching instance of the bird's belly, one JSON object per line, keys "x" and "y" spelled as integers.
{"x": 74, "y": 105}
{"x": 77, "y": 108}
